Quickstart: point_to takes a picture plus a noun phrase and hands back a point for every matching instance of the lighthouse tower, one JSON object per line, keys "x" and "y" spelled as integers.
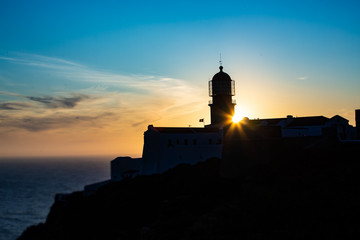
{"x": 221, "y": 89}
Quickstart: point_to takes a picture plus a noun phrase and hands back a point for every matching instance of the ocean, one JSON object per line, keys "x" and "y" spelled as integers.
{"x": 28, "y": 187}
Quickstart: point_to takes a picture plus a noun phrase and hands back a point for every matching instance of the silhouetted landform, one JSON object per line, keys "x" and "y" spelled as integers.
{"x": 357, "y": 121}
{"x": 166, "y": 147}
{"x": 293, "y": 189}
{"x": 284, "y": 178}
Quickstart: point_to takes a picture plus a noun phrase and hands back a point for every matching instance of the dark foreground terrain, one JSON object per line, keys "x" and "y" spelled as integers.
{"x": 300, "y": 194}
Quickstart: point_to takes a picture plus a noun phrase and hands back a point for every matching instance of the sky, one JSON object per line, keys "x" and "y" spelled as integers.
{"x": 87, "y": 77}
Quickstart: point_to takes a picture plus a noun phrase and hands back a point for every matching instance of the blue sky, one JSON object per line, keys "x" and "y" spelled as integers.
{"x": 104, "y": 70}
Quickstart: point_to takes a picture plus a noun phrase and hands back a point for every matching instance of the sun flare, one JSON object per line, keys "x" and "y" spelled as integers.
{"x": 237, "y": 117}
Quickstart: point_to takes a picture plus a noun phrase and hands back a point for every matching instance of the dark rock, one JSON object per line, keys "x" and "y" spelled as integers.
{"x": 312, "y": 194}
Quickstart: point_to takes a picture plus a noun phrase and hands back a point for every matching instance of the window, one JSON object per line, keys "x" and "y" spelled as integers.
{"x": 210, "y": 141}
{"x": 169, "y": 143}
{"x": 195, "y": 142}
{"x": 185, "y": 141}
{"x": 219, "y": 141}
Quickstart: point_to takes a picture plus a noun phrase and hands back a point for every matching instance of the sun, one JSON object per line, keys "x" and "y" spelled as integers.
{"x": 237, "y": 116}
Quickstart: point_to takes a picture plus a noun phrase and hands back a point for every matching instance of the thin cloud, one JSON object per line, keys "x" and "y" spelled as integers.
{"x": 135, "y": 83}
{"x": 41, "y": 61}
{"x": 302, "y": 78}
{"x": 11, "y": 94}
{"x": 54, "y": 121}
{"x": 13, "y": 106}
{"x": 60, "y": 102}
{"x": 136, "y": 124}
{"x": 135, "y": 99}
{"x": 47, "y": 101}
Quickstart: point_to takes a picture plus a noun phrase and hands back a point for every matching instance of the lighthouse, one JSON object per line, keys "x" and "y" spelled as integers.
{"x": 221, "y": 89}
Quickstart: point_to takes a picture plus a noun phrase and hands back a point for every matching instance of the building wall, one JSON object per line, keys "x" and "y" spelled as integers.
{"x": 123, "y": 167}
{"x": 151, "y": 152}
{"x": 311, "y": 131}
{"x": 338, "y": 125}
{"x": 163, "y": 151}
{"x": 357, "y": 122}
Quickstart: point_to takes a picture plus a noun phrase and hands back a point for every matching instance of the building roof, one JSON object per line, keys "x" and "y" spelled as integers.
{"x": 221, "y": 76}
{"x": 338, "y": 117}
{"x": 189, "y": 130}
{"x": 308, "y": 121}
{"x": 269, "y": 121}
{"x": 293, "y": 121}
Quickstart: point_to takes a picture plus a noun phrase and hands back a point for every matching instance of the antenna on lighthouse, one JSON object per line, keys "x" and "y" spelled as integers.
{"x": 220, "y": 60}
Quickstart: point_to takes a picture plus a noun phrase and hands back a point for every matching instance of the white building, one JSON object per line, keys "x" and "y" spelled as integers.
{"x": 164, "y": 147}
{"x": 313, "y": 126}
{"x": 167, "y": 147}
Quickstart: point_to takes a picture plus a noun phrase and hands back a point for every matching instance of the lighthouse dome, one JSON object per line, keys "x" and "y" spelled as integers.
{"x": 221, "y": 76}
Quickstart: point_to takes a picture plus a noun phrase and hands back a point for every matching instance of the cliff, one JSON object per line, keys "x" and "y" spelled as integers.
{"x": 308, "y": 195}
